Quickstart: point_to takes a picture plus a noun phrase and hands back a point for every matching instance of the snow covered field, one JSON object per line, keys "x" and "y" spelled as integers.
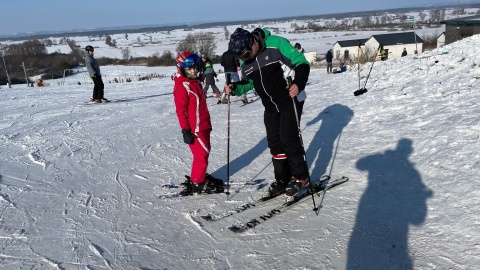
{"x": 82, "y": 186}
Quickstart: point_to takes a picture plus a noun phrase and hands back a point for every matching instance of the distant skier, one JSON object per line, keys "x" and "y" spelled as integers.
{"x": 209, "y": 76}
{"x": 194, "y": 119}
{"x": 383, "y": 53}
{"x": 94, "y": 72}
{"x": 404, "y": 53}
{"x": 329, "y": 59}
{"x": 299, "y": 48}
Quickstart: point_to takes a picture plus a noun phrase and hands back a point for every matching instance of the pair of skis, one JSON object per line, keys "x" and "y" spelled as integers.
{"x": 322, "y": 184}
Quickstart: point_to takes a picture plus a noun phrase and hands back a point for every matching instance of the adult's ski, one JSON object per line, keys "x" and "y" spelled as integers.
{"x": 319, "y": 186}
{"x": 247, "y": 206}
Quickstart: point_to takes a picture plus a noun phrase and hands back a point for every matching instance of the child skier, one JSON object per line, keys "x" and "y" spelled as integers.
{"x": 194, "y": 119}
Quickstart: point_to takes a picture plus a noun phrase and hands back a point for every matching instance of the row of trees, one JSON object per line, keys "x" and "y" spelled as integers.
{"x": 33, "y": 55}
{"x": 200, "y": 42}
{"x": 383, "y": 20}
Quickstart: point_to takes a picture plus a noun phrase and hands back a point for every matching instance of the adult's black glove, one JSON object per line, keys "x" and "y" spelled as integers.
{"x": 188, "y": 137}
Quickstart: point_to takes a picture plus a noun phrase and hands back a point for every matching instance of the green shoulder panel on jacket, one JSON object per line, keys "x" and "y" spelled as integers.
{"x": 287, "y": 50}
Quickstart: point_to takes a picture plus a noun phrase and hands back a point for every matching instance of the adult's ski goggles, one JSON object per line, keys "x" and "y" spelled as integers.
{"x": 248, "y": 51}
{"x": 246, "y": 54}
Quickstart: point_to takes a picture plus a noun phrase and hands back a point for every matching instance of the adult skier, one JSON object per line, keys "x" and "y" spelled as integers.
{"x": 194, "y": 119}
{"x": 329, "y": 59}
{"x": 263, "y": 60}
{"x": 94, "y": 72}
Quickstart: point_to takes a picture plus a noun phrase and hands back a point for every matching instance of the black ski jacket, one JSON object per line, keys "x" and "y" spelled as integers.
{"x": 229, "y": 62}
{"x": 265, "y": 73}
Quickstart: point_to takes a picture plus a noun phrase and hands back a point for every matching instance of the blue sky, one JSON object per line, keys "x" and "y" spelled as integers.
{"x": 48, "y": 15}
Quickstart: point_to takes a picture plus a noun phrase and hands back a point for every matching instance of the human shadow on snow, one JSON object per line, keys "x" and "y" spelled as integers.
{"x": 334, "y": 118}
{"x": 139, "y": 98}
{"x": 394, "y": 199}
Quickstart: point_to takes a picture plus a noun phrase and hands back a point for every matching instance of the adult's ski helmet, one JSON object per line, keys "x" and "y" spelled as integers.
{"x": 240, "y": 41}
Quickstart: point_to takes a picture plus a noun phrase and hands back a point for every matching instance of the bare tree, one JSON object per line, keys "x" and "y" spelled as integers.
{"x": 108, "y": 41}
{"x": 435, "y": 15}
{"x": 330, "y": 24}
{"x": 200, "y": 42}
{"x": 227, "y": 33}
{"x": 139, "y": 41}
{"x": 188, "y": 44}
{"x": 422, "y": 15}
{"x": 206, "y": 43}
{"x": 383, "y": 19}
{"x": 126, "y": 53}
{"x": 367, "y": 54}
{"x": 366, "y": 21}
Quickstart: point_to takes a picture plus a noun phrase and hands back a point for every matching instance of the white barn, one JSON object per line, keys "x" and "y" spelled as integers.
{"x": 441, "y": 40}
{"x": 395, "y": 43}
{"x": 348, "y": 49}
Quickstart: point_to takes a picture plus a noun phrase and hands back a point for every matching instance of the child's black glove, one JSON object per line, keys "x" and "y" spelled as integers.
{"x": 188, "y": 137}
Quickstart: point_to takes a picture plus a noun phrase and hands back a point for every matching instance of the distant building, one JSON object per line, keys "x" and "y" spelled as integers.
{"x": 441, "y": 40}
{"x": 348, "y": 49}
{"x": 394, "y": 43}
{"x": 457, "y": 29}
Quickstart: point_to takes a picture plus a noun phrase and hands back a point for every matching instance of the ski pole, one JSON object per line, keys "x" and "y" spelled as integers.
{"x": 228, "y": 81}
{"x": 312, "y": 191}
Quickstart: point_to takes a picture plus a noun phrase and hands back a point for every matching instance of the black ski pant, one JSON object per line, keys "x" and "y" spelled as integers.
{"x": 98, "y": 87}
{"x": 284, "y": 143}
{"x": 210, "y": 81}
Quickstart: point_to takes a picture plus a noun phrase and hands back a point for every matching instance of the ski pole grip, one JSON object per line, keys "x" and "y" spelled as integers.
{"x": 289, "y": 81}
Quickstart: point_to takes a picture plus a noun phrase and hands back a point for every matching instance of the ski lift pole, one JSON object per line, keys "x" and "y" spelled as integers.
{"x": 358, "y": 64}
{"x": 415, "y": 35}
{"x": 364, "y": 90}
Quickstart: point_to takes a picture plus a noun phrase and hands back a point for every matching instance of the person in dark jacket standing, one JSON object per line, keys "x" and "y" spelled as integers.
{"x": 299, "y": 48}
{"x": 94, "y": 72}
{"x": 329, "y": 59}
{"x": 404, "y": 53}
{"x": 266, "y": 63}
{"x": 230, "y": 63}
